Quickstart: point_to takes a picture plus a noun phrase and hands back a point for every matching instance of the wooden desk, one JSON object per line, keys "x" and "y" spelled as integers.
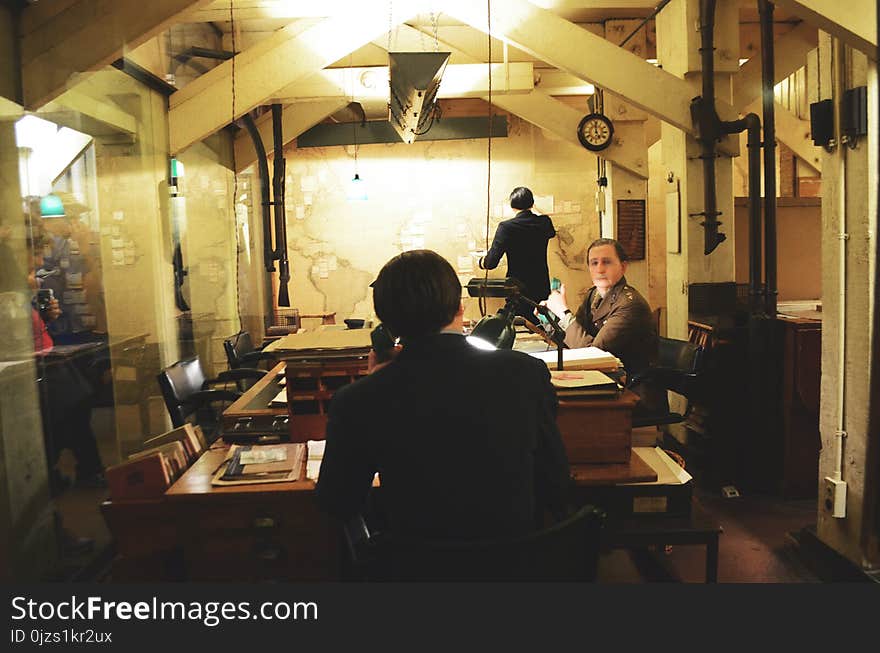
{"x": 635, "y": 470}
{"x": 593, "y": 431}
{"x": 272, "y": 531}
{"x": 251, "y": 416}
{"x": 198, "y": 532}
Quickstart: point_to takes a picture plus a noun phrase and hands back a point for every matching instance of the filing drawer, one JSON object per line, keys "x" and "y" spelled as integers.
{"x": 256, "y": 537}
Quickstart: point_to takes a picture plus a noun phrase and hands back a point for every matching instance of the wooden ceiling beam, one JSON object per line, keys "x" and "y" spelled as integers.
{"x": 263, "y": 70}
{"x": 570, "y": 48}
{"x": 86, "y": 35}
{"x": 789, "y": 54}
{"x": 852, "y": 21}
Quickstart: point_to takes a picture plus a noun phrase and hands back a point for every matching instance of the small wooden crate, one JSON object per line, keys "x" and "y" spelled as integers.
{"x": 597, "y": 430}
{"x": 310, "y": 387}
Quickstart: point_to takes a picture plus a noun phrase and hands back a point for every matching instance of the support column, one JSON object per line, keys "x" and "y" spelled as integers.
{"x": 849, "y": 187}
{"x": 678, "y": 48}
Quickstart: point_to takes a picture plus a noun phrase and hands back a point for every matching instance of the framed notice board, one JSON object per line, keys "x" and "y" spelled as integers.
{"x": 631, "y": 227}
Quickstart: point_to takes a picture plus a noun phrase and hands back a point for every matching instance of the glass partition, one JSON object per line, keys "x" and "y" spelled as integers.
{"x": 87, "y": 306}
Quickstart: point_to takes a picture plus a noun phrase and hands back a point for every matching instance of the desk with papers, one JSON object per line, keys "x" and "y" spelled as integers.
{"x": 275, "y": 531}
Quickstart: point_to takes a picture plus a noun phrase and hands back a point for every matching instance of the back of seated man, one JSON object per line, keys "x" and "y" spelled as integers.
{"x": 465, "y": 440}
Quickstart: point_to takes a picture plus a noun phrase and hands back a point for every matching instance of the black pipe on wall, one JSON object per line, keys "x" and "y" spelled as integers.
{"x": 265, "y": 203}
{"x": 709, "y": 126}
{"x": 753, "y": 125}
{"x": 765, "y": 10}
{"x": 279, "y": 166}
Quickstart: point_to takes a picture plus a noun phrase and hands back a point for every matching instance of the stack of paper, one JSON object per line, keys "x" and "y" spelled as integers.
{"x": 583, "y": 383}
{"x": 323, "y": 343}
{"x": 668, "y": 471}
{"x": 316, "y": 455}
{"x": 584, "y": 358}
{"x": 280, "y": 399}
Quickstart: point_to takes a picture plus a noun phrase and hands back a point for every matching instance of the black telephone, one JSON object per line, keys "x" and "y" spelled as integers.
{"x": 383, "y": 342}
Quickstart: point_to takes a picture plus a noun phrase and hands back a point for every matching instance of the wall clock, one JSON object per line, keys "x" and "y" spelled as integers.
{"x": 595, "y": 131}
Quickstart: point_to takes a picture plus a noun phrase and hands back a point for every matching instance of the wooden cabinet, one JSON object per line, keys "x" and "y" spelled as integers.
{"x": 801, "y": 378}
{"x": 597, "y": 430}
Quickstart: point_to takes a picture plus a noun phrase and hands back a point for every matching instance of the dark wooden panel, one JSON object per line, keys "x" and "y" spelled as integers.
{"x": 631, "y": 227}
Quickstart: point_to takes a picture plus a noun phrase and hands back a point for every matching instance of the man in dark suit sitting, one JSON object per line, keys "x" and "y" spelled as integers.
{"x": 465, "y": 441}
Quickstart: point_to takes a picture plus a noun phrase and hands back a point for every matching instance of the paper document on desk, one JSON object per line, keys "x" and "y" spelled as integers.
{"x": 280, "y": 399}
{"x": 580, "y": 379}
{"x": 668, "y": 471}
{"x": 323, "y": 340}
{"x": 261, "y": 455}
{"x": 316, "y": 455}
{"x": 574, "y": 384}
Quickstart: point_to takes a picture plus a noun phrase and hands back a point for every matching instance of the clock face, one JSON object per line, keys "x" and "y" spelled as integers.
{"x": 595, "y": 132}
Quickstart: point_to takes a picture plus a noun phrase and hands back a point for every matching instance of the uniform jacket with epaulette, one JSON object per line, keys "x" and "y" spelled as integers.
{"x": 620, "y": 323}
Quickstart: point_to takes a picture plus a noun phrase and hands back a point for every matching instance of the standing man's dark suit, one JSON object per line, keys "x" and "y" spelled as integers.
{"x": 524, "y": 239}
{"x": 465, "y": 441}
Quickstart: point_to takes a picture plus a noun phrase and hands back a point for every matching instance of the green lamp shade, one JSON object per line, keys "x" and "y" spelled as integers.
{"x": 51, "y": 206}
{"x": 493, "y": 332}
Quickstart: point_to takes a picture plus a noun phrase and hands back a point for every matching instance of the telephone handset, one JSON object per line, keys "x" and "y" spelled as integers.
{"x": 383, "y": 343}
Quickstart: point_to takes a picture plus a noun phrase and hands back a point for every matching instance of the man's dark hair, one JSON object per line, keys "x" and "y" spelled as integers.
{"x": 521, "y": 198}
{"x": 621, "y": 253}
{"x": 416, "y": 293}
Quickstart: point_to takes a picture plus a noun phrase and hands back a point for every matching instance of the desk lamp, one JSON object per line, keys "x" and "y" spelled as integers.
{"x": 496, "y": 331}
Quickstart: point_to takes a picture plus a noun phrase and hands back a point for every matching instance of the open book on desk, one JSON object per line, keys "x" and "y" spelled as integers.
{"x": 583, "y": 358}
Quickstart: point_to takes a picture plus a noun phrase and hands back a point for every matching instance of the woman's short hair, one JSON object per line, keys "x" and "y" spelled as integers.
{"x": 621, "y": 253}
{"x": 416, "y": 293}
{"x": 521, "y": 198}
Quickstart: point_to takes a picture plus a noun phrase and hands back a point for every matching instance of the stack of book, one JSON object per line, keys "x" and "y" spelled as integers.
{"x": 149, "y": 472}
{"x": 583, "y": 384}
{"x": 583, "y": 358}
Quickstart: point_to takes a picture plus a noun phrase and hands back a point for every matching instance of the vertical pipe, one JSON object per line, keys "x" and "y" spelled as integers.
{"x": 765, "y": 10}
{"x": 837, "y": 69}
{"x": 265, "y": 203}
{"x": 268, "y": 258}
{"x": 278, "y": 165}
{"x": 753, "y": 124}
{"x": 709, "y": 124}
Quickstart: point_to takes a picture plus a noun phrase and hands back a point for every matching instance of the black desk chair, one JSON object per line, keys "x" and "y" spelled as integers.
{"x": 679, "y": 368}
{"x": 241, "y": 352}
{"x": 565, "y": 551}
{"x": 189, "y": 395}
